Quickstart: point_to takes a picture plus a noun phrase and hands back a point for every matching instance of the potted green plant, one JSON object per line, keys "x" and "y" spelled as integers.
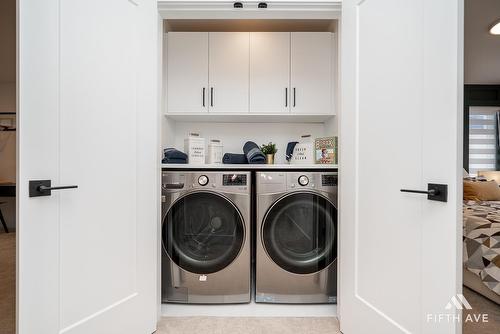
{"x": 269, "y": 150}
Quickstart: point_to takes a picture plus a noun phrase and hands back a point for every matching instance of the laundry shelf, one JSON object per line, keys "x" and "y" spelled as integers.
{"x": 249, "y": 117}
{"x": 246, "y": 166}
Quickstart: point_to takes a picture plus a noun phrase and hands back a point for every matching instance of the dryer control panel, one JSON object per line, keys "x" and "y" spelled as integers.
{"x": 329, "y": 180}
{"x": 276, "y": 182}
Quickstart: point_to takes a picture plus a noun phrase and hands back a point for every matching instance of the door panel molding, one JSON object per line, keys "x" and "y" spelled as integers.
{"x": 98, "y": 313}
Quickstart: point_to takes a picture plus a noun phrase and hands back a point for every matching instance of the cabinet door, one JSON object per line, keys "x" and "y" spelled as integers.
{"x": 228, "y": 71}
{"x": 187, "y": 72}
{"x": 311, "y": 72}
{"x": 269, "y": 72}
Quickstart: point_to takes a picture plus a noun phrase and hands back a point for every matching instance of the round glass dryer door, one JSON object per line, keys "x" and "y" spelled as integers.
{"x": 203, "y": 232}
{"x": 299, "y": 233}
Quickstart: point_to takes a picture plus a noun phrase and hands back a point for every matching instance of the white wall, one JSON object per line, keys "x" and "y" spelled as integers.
{"x": 482, "y": 50}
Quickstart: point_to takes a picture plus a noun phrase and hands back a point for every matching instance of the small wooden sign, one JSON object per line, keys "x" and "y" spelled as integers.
{"x": 326, "y": 150}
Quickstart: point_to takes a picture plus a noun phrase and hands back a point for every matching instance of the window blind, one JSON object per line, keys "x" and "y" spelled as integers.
{"x": 482, "y": 139}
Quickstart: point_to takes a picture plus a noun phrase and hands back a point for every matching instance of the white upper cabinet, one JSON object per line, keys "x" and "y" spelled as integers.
{"x": 258, "y": 72}
{"x": 312, "y": 73}
{"x": 228, "y": 71}
{"x": 187, "y": 72}
{"x": 269, "y": 72}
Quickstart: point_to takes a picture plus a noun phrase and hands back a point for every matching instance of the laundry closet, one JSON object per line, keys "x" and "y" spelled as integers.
{"x": 233, "y": 81}
{"x": 114, "y": 239}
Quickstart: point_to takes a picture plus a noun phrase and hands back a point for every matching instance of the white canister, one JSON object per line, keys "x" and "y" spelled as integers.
{"x": 194, "y": 146}
{"x": 215, "y": 154}
{"x": 303, "y": 153}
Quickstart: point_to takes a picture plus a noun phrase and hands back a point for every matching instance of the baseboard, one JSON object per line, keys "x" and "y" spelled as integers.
{"x": 249, "y": 310}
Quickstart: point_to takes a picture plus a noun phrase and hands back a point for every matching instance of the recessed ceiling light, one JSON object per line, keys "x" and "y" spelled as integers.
{"x": 495, "y": 29}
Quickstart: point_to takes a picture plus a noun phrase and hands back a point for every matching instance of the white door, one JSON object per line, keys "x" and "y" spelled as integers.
{"x": 269, "y": 72}
{"x": 228, "y": 71}
{"x": 311, "y": 72}
{"x": 400, "y": 254}
{"x": 87, "y": 257}
{"x": 187, "y": 72}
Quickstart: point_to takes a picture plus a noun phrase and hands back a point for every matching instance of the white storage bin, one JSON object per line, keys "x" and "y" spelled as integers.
{"x": 194, "y": 147}
{"x": 215, "y": 150}
{"x": 303, "y": 153}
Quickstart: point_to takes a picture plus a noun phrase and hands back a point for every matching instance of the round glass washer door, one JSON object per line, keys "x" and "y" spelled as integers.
{"x": 299, "y": 232}
{"x": 203, "y": 232}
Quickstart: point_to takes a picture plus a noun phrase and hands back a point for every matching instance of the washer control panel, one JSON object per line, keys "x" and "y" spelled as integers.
{"x": 231, "y": 182}
{"x": 234, "y": 179}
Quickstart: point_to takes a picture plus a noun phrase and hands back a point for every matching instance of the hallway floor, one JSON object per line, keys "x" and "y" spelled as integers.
{"x": 481, "y": 305}
{"x": 7, "y": 283}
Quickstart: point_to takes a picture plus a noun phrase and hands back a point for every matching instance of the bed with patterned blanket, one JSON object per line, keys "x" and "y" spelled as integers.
{"x": 482, "y": 247}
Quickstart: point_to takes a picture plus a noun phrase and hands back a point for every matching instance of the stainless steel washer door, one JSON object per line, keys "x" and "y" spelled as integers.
{"x": 299, "y": 232}
{"x": 203, "y": 232}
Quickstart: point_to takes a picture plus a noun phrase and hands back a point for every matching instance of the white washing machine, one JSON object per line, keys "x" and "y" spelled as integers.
{"x": 206, "y": 253}
{"x": 296, "y": 239}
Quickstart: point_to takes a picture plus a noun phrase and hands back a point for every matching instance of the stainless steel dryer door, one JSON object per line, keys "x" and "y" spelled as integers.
{"x": 299, "y": 232}
{"x": 203, "y": 232}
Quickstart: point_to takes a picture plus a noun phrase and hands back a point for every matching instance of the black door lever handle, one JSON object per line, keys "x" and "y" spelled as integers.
{"x": 45, "y": 188}
{"x": 435, "y": 192}
{"x": 432, "y": 192}
{"x": 39, "y": 188}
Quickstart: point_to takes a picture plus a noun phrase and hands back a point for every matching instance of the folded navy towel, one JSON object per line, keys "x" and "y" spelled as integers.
{"x": 173, "y": 156}
{"x": 234, "y": 158}
{"x": 289, "y": 149}
{"x": 174, "y": 161}
{"x": 172, "y": 153}
{"x": 253, "y": 153}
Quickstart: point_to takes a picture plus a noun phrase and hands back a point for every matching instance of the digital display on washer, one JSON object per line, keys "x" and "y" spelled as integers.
{"x": 329, "y": 180}
{"x": 234, "y": 179}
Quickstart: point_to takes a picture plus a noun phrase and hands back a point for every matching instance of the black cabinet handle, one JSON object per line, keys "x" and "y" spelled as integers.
{"x": 435, "y": 192}
{"x": 211, "y": 96}
{"x": 286, "y": 96}
{"x": 294, "y": 97}
{"x": 203, "y": 96}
